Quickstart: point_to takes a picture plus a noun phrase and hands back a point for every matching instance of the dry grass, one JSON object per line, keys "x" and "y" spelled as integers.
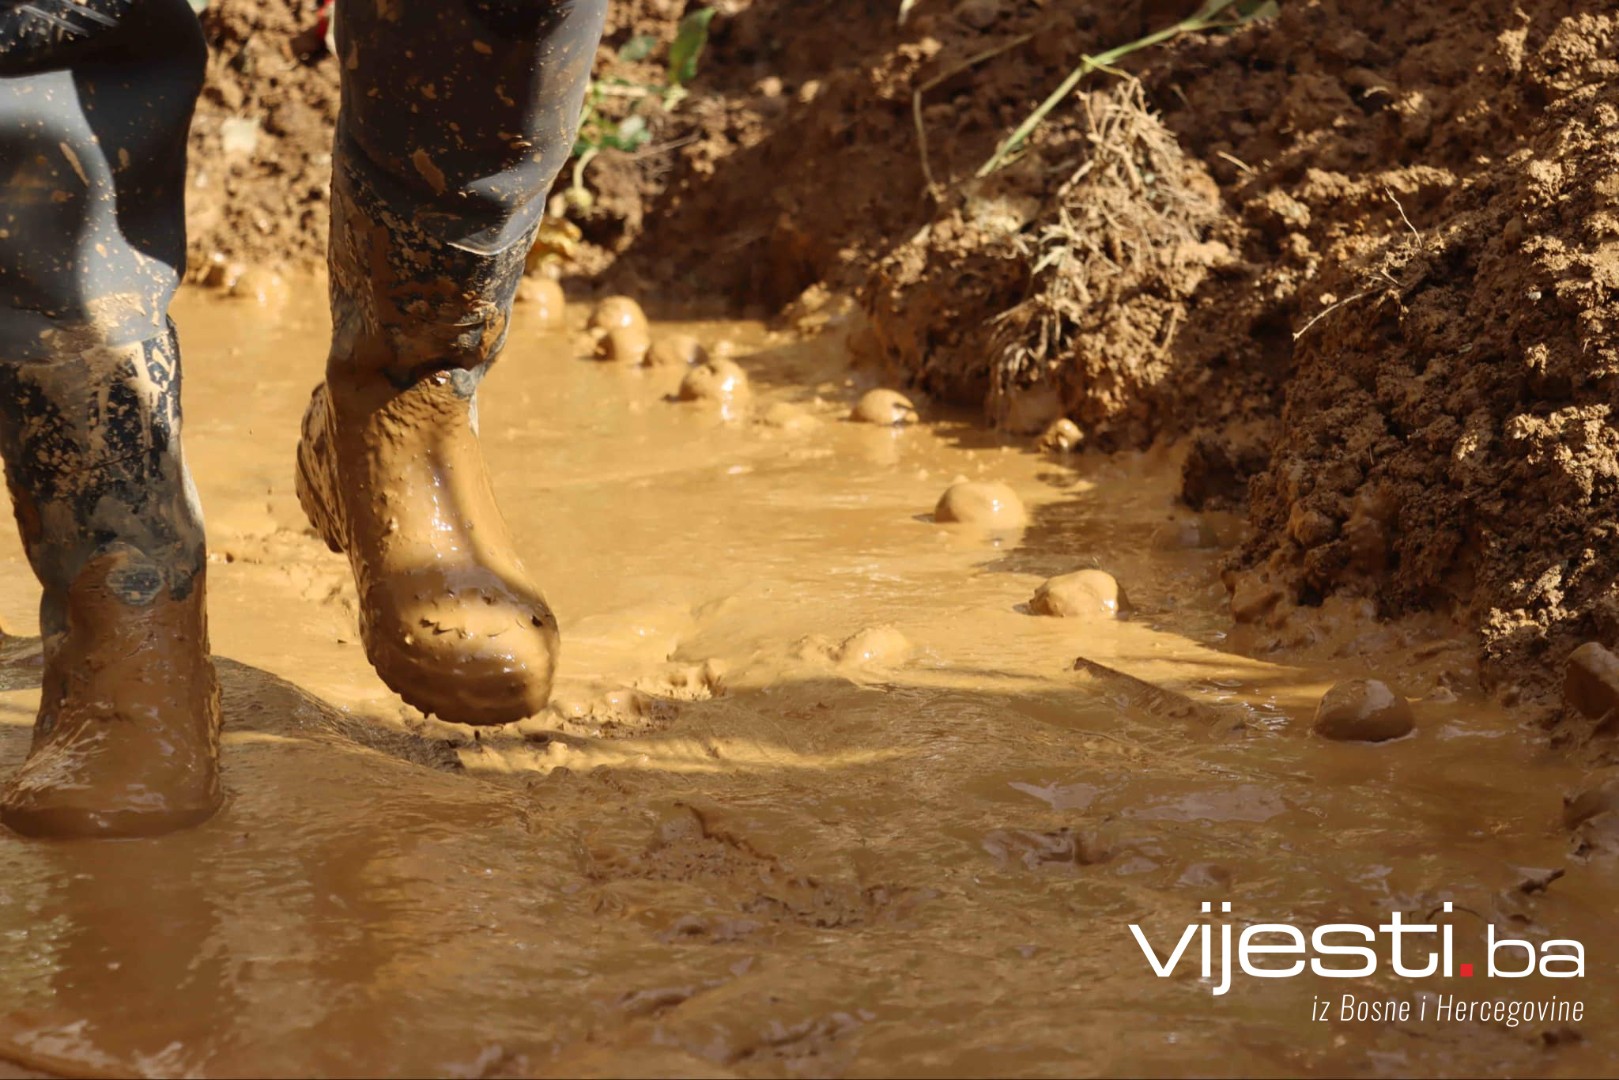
{"x": 1128, "y": 218}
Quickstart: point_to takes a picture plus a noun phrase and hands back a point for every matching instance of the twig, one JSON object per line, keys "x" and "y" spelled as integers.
{"x": 664, "y": 148}
{"x": 916, "y": 97}
{"x": 1204, "y": 18}
{"x": 1169, "y": 330}
{"x": 1237, "y": 161}
{"x": 1403, "y": 218}
{"x": 1301, "y": 331}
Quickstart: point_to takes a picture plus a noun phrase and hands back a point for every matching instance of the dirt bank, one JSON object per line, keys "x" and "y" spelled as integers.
{"x": 1444, "y": 179}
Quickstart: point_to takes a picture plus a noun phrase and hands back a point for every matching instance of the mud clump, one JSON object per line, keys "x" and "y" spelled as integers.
{"x": 263, "y": 287}
{"x": 675, "y": 351}
{"x": 617, "y": 313}
{"x": 1363, "y": 710}
{"x": 719, "y": 381}
{"x": 1591, "y": 681}
{"x": 876, "y": 646}
{"x": 1085, "y": 594}
{"x": 886, "y": 408}
{"x": 1062, "y": 437}
{"x": 543, "y": 297}
{"x": 987, "y": 504}
{"x": 620, "y": 328}
{"x": 623, "y": 344}
{"x": 1075, "y": 293}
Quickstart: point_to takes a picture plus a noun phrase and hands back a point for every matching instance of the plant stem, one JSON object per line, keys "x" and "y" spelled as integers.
{"x": 1202, "y": 20}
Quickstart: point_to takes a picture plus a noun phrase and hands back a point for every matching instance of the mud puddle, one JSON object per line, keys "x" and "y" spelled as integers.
{"x": 818, "y": 794}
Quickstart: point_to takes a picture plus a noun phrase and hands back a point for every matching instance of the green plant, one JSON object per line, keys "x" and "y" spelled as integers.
{"x": 630, "y": 132}
{"x": 1213, "y": 14}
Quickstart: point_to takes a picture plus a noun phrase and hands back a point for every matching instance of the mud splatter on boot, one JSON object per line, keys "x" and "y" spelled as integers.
{"x": 395, "y": 479}
{"x": 391, "y": 474}
{"x": 127, "y": 738}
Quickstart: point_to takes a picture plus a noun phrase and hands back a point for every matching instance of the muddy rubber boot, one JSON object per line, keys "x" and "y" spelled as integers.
{"x": 434, "y": 208}
{"x": 127, "y": 738}
{"x": 95, "y": 102}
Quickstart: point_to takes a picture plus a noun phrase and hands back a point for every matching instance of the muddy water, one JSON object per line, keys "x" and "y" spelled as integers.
{"x": 818, "y": 795}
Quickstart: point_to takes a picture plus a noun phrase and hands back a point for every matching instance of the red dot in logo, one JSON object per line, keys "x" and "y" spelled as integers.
{"x": 1467, "y": 971}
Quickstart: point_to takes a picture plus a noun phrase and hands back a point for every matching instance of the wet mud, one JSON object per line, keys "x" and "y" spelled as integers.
{"x": 817, "y": 793}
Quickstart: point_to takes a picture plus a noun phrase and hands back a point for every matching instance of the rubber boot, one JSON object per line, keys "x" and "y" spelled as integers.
{"x": 127, "y": 738}
{"x": 95, "y": 101}
{"x": 443, "y": 157}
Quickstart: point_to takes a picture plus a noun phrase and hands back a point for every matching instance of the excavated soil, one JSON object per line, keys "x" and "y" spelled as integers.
{"x": 1368, "y": 273}
{"x": 261, "y": 142}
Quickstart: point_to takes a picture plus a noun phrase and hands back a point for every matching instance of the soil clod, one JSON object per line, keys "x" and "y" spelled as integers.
{"x": 887, "y": 408}
{"x": 544, "y": 298}
{"x": 1062, "y": 437}
{"x": 616, "y": 313}
{"x": 1084, "y": 594}
{"x": 718, "y": 380}
{"x": 1363, "y": 710}
{"x": 988, "y": 504}
{"x": 623, "y": 344}
{"x": 1591, "y": 680}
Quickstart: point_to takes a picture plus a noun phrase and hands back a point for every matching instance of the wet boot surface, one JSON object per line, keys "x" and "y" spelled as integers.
{"x": 396, "y": 480}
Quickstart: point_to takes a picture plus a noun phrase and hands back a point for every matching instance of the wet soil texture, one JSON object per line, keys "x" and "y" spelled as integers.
{"x": 818, "y": 793}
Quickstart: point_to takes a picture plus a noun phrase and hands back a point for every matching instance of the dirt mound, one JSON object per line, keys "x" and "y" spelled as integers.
{"x": 1419, "y": 195}
{"x": 260, "y": 151}
{"x": 1440, "y": 180}
{"x": 796, "y": 161}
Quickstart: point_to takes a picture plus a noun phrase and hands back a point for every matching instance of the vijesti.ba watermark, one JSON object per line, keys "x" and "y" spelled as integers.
{"x": 1412, "y": 950}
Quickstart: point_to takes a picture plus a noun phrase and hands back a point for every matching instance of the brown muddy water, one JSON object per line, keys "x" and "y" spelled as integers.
{"x": 818, "y": 794}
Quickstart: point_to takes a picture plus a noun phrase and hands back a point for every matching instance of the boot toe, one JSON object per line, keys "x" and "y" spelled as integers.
{"x": 73, "y": 789}
{"x": 479, "y": 652}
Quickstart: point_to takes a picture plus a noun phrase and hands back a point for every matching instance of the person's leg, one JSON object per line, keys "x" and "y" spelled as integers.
{"x": 95, "y": 100}
{"x": 456, "y": 117}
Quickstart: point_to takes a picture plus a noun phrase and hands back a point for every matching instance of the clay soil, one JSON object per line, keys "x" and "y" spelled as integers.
{"x": 1382, "y": 320}
{"x": 820, "y": 791}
